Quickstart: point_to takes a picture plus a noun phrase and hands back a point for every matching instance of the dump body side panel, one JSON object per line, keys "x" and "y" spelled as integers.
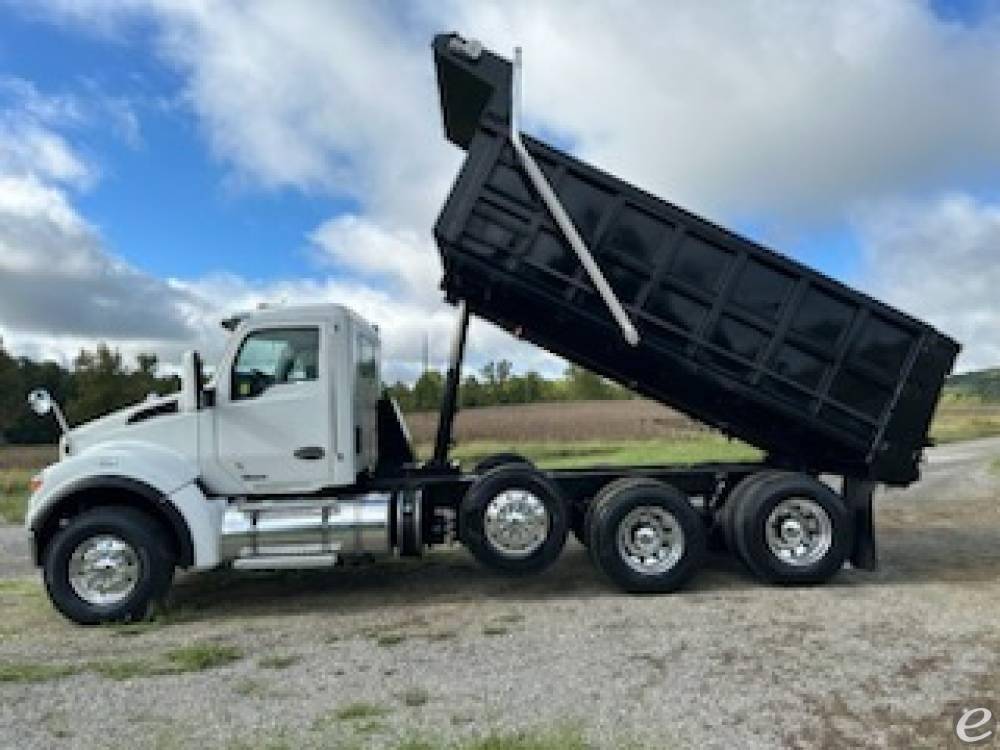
{"x": 732, "y": 333}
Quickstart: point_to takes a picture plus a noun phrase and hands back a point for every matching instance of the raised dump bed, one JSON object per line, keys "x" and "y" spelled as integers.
{"x": 817, "y": 374}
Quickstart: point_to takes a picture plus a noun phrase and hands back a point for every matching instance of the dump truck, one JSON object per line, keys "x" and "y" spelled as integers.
{"x": 292, "y": 456}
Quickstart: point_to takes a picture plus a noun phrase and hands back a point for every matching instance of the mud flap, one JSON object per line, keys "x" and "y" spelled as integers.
{"x": 858, "y": 497}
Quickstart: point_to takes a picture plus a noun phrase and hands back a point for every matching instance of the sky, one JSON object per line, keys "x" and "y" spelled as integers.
{"x": 166, "y": 163}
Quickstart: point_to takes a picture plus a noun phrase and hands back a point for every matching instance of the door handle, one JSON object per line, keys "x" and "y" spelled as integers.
{"x": 310, "y": 453}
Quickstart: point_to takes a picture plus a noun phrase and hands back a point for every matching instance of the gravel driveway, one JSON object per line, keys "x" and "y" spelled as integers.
{"x": 442, "y": 650}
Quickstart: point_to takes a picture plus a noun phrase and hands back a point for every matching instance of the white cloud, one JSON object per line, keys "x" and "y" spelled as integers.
{"x": 796, "y": 112}
{"x": 940, "y": 260}
{"x": 55, "y": 275}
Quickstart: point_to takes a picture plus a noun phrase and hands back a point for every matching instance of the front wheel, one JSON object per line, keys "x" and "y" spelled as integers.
{"x": 108, "y": 565}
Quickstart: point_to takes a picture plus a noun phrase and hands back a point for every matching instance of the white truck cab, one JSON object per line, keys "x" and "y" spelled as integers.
{"x": 256, "y": 455}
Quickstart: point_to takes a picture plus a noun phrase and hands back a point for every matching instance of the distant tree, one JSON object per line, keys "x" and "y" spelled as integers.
{"x": 11, "y": 387}
{"x": 428, "y": 391}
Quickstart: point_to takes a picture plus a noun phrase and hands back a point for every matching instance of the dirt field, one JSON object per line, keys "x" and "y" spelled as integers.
{"x": 579, "y": 420}
{"x": 440, "y": 651}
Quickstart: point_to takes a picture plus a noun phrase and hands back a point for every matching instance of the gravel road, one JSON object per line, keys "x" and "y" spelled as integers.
{"x": 443, "y": 650}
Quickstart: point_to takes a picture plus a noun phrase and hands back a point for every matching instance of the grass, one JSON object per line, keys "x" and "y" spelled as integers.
{"x": 415, "y": 697}
{"x": 194, "y": 658}
{"x": 24, "y": 608}
{"x": 566, "y": 739}
{"x": 360, "y": 710}
{"x": 955, "y": 421}
{"x": 387, "y": 640}
{"x": 36, "y": 672}
{"x": 494, "y": 630}
{"x": 201, "y": 656}
{"x": 995, "y": 466}
{"x": 280, "y": 662}
{"x": 551, "y": 739}
{"x": 330, "y": 732}
{"x": 567, "y": 455}
{"x": 14, "y": 494}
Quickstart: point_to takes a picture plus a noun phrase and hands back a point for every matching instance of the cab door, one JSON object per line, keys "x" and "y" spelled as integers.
{"x": 273, "y": 415}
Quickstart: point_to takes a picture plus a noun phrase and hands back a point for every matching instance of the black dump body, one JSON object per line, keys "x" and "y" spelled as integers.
{"x": 820, "y": 376}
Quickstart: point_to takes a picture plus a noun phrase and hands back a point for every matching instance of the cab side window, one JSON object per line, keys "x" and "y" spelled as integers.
{"x": 273, "y": 357}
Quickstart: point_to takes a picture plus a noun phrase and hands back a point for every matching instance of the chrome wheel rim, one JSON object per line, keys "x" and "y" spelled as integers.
{"x": 650, "y": 540}
{"x": 799, "y": 531}
{"x": 104, "y": 570}
{"x": 516, "y": 523}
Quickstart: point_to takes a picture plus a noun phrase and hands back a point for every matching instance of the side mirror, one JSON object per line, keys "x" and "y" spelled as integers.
{"x": 40, "y": 401}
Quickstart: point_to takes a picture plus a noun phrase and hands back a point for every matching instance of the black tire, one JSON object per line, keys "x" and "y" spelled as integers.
{"x": 153, "y": 551}
{"x": 751, "y": 517}
{"x": 501, "y": 459}
{"x": 725, "y": 518}
{"x": 613, "y": 506}
{"x": 472, "y": 518}
{"x": 600, "y": 500}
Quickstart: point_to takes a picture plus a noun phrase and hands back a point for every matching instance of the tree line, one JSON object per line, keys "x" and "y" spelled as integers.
{"x": 100, "y": 381}
{"x": 496, "y": 384}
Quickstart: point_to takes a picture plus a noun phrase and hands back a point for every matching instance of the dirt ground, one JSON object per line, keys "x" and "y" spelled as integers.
{"x": 442, "y": 650}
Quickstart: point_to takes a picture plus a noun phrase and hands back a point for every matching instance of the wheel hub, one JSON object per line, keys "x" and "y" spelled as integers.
{"x": 104, "y": 570}
{"x": 650, "y": 540}
{"x": 516, "y": 523}
{"x": 799, "y": 531}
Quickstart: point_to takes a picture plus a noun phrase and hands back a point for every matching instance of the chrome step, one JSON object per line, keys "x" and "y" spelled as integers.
{"x": 285, "y": 562}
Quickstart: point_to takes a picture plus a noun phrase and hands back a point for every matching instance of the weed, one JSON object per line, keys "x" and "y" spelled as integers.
{"x": 390, "y": 639}
{"x": 201, "y": 656}
{"x": 415, "y": 697}
{"x": 360, "y": 710}
{"x": 34, "y": 672}
{"x": 280, "y": 662}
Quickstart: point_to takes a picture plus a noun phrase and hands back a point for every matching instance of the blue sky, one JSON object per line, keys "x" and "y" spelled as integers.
{"x": 162, "y": 203}
{"x": 293, "y": 150}
{"x": 168, "y": 206}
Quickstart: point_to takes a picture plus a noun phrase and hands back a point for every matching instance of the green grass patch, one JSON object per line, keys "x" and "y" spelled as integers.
{"x": 24, "y": 609}
{"x": 360, "y": 710}
{"x": 496, "y": 629}
{"x": 415, "y": 697}
{"x": 130, "y": 669}
{"x": 14, "y": 494}
{"x": 568, "y": 455}
{"x": 280, "y": 662}
{"x": 35, "y": 672}
{"x": 198, "y": 657}
{"x": 995, "y": 466}
{"x": 955, "y": 421}
{"x": 551, "y": 740}
{"x": 195, "y": 658}
{"x": 387, "y": 640}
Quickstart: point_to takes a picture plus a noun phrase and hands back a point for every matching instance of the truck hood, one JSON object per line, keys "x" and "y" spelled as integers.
{"x": 102, "y": 428}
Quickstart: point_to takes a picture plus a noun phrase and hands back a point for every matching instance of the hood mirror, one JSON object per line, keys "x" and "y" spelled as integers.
{"x": 40, "y": 401}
